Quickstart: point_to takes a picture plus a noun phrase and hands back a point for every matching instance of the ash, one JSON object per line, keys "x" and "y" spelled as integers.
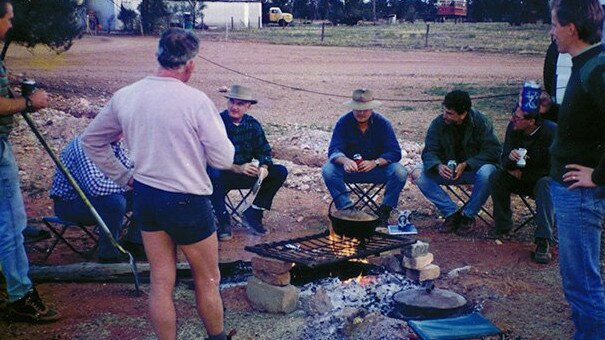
{"x": 351, "y": 300}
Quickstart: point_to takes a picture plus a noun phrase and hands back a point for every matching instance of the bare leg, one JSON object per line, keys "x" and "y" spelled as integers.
{"x": 161, "y": 253}
{"x": 203, "y": 260}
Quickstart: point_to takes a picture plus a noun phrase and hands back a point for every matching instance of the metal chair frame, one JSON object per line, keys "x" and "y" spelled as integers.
{"x": 59, "y": 232}
{"x": 365, "y": 194}
{"x": 463, "y": 197}
{"x": 233, "y": 205}
{"x": 532, "y": 211}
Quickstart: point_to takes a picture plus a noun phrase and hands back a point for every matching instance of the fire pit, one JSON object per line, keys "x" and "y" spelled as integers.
{"x": 325, "y": 248}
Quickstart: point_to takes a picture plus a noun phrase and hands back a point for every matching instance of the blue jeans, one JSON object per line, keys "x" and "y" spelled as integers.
{"x": 335, "y": 177}
{"x": 503, "y": 184}
{"x": 580, "y": 217}
{"x": 430, "y": 183}
{"x": 111, "y": 208}
{"x": 15, "y": 265}
{"x": 223, "y": 181}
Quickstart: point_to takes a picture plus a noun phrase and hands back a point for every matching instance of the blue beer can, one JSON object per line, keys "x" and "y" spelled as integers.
{"x": 530, "y": 97}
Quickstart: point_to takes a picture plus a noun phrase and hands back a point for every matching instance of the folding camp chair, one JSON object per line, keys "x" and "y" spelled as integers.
{"x": 470, "y": 326}
{"x": 462, "y": 195}
{"x": 531, "y": 211}
{"x": 366, "y": 194}
{"x": 234, "y": 200}
{"x": 58, "y": 227}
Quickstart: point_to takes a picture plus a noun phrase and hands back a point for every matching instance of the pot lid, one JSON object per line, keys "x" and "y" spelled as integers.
{"x": 437, "y": 299}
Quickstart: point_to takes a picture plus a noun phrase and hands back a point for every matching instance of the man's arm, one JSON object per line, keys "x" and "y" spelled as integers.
{"x": 11, "y": 106}
{"x": 490, "y": 148}
{"x": 432, "y": 146}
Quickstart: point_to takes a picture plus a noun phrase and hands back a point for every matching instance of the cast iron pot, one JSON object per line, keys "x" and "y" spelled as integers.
{"x": 360, "y": 229}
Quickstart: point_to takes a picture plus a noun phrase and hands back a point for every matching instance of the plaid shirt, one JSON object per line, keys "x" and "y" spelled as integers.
{"x": 92, "y": 181}
{"x": 249, "y": 140}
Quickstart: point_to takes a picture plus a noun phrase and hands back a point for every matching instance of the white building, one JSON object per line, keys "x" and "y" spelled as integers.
{"x": 242, "y": 13}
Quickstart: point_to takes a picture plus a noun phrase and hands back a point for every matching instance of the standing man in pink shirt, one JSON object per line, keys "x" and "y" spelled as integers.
{"x": 172, "y": 131}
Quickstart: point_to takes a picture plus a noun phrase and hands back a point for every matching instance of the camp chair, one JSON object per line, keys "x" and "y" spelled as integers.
{"x": 365, "y": 195}
{"x": 470, "y": 326}
{"x": 458, "y": 191}
{"x": 532, "y": 212}
{"x": 58, "y": 227}
{"x": 235, "y": 200}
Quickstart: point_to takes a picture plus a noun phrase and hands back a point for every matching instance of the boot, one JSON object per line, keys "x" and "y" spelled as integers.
{"x": 30, "y": 308}
{"x": 542, "y": 254}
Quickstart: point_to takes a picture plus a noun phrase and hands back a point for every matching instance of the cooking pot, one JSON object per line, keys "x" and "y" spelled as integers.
{"x": 360, "y": 225}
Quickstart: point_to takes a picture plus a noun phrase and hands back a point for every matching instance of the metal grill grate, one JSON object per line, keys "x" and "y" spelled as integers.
{"x": 322, "y": 249}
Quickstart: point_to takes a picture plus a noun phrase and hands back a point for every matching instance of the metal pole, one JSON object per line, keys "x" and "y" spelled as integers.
{"x": 323, "y": 28}
{"x": 231, "y": 22}
{"x": 259, "y": 23}
{"x": 426, "y": 38}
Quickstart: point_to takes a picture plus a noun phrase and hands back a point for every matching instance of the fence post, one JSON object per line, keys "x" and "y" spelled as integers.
{"x": 323, "y": 27}
{"x": 232, "y": 23}
{"x": 426, "y": 38}
{"x": 259, "y": 23}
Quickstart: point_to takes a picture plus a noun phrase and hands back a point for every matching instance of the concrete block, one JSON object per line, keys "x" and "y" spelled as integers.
{"x": 417, "y": 262}
{"x": 430, "y": 272}
{"x": 270, "y": 265}
{"x": 272, "y": 279}
{"x": 415, "y": 250}
{"x": 268, "y": 298}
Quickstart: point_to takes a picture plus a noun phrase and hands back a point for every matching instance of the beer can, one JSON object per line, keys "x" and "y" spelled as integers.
{"x": 27, "y": 87}
{"x": 452, "y": 165}
{"x": 357, "y": 158}
{"x": 530, "y": 97}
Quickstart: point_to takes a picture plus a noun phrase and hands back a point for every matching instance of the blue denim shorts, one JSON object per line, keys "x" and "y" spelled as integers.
{"x": 187, "y": 218}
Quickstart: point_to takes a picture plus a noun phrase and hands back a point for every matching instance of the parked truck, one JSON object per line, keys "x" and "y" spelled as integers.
{"x": 276, "y": 16}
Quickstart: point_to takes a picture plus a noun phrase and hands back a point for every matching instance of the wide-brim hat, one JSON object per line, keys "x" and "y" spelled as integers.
{"x": 242, "y": 93}
{"x": 362, "y": 99}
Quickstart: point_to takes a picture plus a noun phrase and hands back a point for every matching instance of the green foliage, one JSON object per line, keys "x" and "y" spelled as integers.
{"x": 128, "y": 17}
{"x": 154, "y": 16}
{"x": 54, "y": 23}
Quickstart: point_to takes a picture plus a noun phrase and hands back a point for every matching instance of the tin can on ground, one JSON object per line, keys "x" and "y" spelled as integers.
{"x": 530, "y": 97}
{"x": 28, "y": 86}
{"x": 452, "y": 165}
{"x": 357, "y": 158}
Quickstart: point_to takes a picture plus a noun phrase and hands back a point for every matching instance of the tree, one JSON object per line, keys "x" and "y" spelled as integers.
{"x": 153, "y": 16}
{"x": 54, "y": 23}
{"x": 195, "y": 7}
{"x": 127, "y": 16}
{"x": 353, "y": 12}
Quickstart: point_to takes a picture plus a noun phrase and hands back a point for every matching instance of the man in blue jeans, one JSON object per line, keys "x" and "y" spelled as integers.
{"x": 466, "y": 136}
{"x": 252, "y": 161}
{"x": 24, "y": 302}
{"x": 367, "y": 133}
{"x": 109, "y": 199}
{"x": 578, "y": 163}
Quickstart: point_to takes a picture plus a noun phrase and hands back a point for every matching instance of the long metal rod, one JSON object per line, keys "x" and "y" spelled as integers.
{"x": 76, "y": 187}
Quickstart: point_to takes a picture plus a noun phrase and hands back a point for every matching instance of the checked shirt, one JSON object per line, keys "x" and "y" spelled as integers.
{"x": 92, "y": 181}
{"x": 249, "y": 140}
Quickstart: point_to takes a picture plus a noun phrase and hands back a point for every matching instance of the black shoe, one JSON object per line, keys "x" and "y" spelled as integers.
{"x": 30, "y": 308}
{"x": 384, "y": 212}
{"x": 499, "y": 233}
{"x": 465, "y": 226}
{"x": 136, "y": 250}
{"x": 224, "y": 232}
{"x": 253, "y": 219}
{"x": 451, "y": 223}
{"x": 542, "y": 254}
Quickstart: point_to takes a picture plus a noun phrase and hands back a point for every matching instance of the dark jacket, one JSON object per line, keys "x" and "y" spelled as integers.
{"x": 538, "y": 160}
{"x": 479, "y": 143}
{"x": 580, "y": 136}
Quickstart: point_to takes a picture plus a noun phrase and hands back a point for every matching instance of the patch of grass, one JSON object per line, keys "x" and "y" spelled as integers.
{"x": 407, "y": 108}
{"x": 488, "y": 37}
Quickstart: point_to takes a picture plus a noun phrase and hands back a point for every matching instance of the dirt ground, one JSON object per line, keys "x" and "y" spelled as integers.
{"x": 521, "y": 297}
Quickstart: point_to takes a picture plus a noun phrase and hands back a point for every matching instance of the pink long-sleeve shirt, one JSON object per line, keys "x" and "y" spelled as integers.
{"x": 172, "y": 132}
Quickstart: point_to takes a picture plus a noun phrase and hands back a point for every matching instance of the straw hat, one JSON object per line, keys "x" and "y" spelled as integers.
{"x": 242, "y": 93}
{"x": 363, "y": 99}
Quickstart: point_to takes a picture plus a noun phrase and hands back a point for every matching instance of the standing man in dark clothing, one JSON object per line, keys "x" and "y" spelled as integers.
{"x": 24, "y": 301}
{"x": 534, "y": 134}
{"x": 578, "y": 163}
{"x": 252, "y": 160}
{"x": 466, "y": 136}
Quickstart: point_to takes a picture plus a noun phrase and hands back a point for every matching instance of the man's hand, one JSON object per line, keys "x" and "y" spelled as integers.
{"x": 39, "y": 99}
{"x": 349, "y": 165}
{"x": 579, "y": 176}
{"x": 517, "y": 173}
{"x": 514, "y": 155}
{"x": 444, "y": 171}
{"x": 366, "y": 166}
{"x": 247, "y": 169}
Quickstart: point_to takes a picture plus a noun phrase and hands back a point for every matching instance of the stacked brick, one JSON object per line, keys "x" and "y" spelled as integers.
{"x": 269, "y": 288}
{"x": 418, "y": 262}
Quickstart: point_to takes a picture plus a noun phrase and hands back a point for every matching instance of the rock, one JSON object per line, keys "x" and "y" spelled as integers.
{"x": 457, "y": 271}
{"x": 267, "y": 298}
{"x": 270, "y": 265}
{"x": 391, "y": 263}
{"x": 272, "y": 279}
{"x": 378, "y": 326}
{"x": 429, "y": 272}
{"x": 415, "y": 250}
{"x": 417, "y": 262}
{"x": 318, "y": 303}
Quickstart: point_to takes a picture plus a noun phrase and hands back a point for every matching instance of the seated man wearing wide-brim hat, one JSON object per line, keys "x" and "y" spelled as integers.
{"x": 364, "y": 149}
{"x": 252, "y": 160}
